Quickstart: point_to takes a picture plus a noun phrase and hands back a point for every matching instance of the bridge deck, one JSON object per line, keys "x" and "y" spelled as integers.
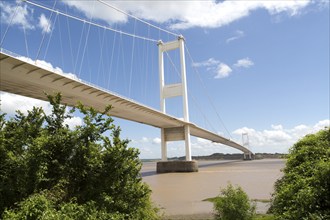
{"x": 24, "y": 78}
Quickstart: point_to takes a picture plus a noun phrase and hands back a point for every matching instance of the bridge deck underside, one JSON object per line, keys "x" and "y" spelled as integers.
{"x": 23, "y": 78}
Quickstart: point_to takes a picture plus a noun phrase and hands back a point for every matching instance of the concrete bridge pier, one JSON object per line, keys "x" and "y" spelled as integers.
{"x": 176, "y": 134}
{"x": 177, "y": 166}
{"x": 248, "y": 156}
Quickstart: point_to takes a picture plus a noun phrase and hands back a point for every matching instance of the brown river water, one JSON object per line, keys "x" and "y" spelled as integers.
{"x": 181, "y": 195}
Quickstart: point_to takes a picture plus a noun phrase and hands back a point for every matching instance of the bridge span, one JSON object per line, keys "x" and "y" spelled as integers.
{"x": 21, "y": 77}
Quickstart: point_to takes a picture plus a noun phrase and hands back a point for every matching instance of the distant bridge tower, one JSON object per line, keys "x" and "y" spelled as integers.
{"x": 173, "y": 90}
{"x": 246, "y": 144}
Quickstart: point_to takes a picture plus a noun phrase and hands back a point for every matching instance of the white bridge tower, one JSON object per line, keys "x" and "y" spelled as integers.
{"x": 246, "y": 144}
{"x": 173, "y": 90}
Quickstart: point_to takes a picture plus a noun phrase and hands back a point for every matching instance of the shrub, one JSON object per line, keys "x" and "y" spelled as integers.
{"x": 232, "y": 204}
{"x": 50, "y": 170}
{"x": 304, "y": 190}
{"x": 38, "y": 206}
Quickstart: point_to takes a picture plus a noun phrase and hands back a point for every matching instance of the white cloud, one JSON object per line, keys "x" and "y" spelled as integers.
{"x": 188, "y": 14}
{"x": 45, "y": 24}
{"x": 73, "y": 122}
{"x": 223, "y": 70}
{"x": 276, "y": 136}
{"x": 216, "y": 14}
{"x": 11, "y": 102}
{"x": 278, "y": 139}
{"x": 156, "y": 140}
{"x": 246, "y": 63}
{"x": 321, "y": 124}
{"x": 20, "y": 15}
{"x": 149, "y": 147}
{"x": 94, "y": 9}
{"x": 238, "y": 34}
{"x": 202, "y": 147}
{"x": 220, "y": 69}
{"x": 207, "y": 63}
{"x": 174, "y": 14}
{"x": 277, "y": 127}
{"x": 145, "y": 140}
{"x": 48, "y": 66}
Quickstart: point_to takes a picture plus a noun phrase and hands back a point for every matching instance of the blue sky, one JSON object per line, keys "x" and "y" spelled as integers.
{"x": 263, "y": 64}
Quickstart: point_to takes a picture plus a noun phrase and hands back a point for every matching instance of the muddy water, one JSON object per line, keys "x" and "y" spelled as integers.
{"x": 181, "y": 194}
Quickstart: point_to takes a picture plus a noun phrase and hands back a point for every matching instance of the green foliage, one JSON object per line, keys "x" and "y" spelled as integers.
{"x": 233, "y": 203}
{"x": 48, "y": 171}
{"x": 304, "y": 190}
{"x": 264, "y": 217}
{"x": 38, "y": 206}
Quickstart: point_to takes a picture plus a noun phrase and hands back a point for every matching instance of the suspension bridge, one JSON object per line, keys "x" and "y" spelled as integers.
{"x": 28, "y": 77}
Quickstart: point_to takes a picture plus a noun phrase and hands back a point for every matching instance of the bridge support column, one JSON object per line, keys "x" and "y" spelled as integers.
{"x": 246, "y": 144}
{"x": 163, "y": 145}
{"x": 187, "y": 142}
{"x": 176, "y": 134}
{"x": 169, "y": 91}
{"x": 247, "y": 156}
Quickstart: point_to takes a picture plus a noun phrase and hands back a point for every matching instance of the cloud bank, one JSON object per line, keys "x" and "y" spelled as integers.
{"x": 11, "y": 102}
{"x": 279, "y": 139}
{"x": 176, "y": 15}
{"x": 276, "y": 139}
{"x": 182, "y": 14}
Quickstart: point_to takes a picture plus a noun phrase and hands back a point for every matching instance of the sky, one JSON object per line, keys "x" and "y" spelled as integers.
{"x": 256, "y": 67}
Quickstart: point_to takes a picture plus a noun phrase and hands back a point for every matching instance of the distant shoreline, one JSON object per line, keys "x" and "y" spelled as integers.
{"x": 221, "y": 156}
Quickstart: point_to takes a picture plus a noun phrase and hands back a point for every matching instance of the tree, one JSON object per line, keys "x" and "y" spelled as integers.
{"x": 16, "y": 137}
{"x": 304, "y": 190}
{"x": 233, "y": 203}
{"x": 75, "y": 171}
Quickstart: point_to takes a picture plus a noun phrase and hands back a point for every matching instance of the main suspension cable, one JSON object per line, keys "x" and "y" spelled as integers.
{"x": 136, "y": 18}
{"x": 90, "y": 22}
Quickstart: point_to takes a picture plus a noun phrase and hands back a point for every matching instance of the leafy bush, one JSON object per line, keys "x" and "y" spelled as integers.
{"x": 48, "y": 171}
{"x": 304, "y": 190}
{"x": 38, "y": 206}
{"x": 232, "y": 204}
